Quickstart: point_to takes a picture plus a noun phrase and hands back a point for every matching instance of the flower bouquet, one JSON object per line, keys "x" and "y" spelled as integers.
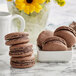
{"x": 35, "y": 13}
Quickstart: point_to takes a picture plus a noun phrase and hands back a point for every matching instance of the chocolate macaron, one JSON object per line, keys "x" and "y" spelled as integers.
{"x": 54, "y": 44}
{"x": 16, "y": 38}
{"x": 21, "y": 50}
{"x": 67, "y": 33}
{"x": 43, "y": 36}
{"x": 24, "y": 62}
{"x": 73, "y": 25}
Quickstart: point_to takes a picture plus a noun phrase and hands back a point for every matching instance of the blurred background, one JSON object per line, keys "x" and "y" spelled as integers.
{"x": 2, "y": 1}
{"x": 58, "y": 15}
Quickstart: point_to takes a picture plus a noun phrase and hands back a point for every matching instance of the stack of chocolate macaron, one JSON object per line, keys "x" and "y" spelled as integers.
{"x": 61, "y": 39}
{"x": 21, "y": 51}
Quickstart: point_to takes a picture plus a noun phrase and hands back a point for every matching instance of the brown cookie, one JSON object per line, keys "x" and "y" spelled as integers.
{"x": 73, "y": 25}
{"x": 16, "y": 35}
{"x": 43, "y": 36}
{"x": 17, "y": 41}
{"x": 54, "y": 44}
{"x": 21, "y": 50}
{"x": 16, "y": 38}
{"x": 67, "y": 33}
{"x": 24, "y": 62}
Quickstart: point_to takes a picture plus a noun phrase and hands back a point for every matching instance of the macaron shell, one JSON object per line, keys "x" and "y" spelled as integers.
{"x": 27, "y": 58}
{"x": 54, "y": 46}
{"x": 55, "y": 38}
{"x": 15, "y": 35}
{"x": 66, "y": 29}
{"x": 22, "y": 66}
{"x": 17, "y": 41}
{"x": 67, "y": 36}
{"x": 21, "y": 54}
{"x": 20, "y": 46}
{"x": 73, "y": 25}
{"x": 43, "y": 36}
{"x": 21, "y": 50}
{"x": 24, "y": 62}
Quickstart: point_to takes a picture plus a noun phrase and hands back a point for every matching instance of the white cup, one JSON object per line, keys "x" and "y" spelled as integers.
{"x": 7, "y": 27}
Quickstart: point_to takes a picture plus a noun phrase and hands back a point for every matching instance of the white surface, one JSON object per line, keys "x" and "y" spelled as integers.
{"x": 40, "y": 69}
{"x": 54, "y": 56}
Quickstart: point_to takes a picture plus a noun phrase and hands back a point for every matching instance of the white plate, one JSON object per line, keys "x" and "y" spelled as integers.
{"x": 54, "y": 56}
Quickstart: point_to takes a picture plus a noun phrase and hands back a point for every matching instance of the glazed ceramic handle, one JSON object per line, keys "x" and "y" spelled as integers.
{"x": 22, "y": 27}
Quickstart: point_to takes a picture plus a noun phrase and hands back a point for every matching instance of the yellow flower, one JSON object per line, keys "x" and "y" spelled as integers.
{"x": 48, "y": 1}
{"x": 29, "y": 6}
{"x": 60, "y": 2}
{"x": 9, "y": 0}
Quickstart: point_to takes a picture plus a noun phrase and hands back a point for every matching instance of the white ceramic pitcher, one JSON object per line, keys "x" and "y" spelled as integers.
{"x": 7, "y": 27}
